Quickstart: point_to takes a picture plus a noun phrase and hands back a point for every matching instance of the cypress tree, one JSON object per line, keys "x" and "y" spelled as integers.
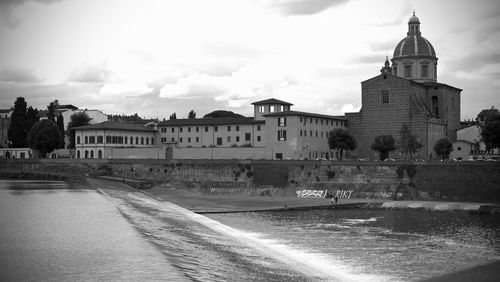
{"x": 17, "y": 132}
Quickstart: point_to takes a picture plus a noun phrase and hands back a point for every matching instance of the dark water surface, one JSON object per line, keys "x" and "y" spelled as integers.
{"x": 60, "y": 234}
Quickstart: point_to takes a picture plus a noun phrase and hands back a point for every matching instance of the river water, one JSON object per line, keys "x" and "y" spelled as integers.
{"x": 50, "y": 232}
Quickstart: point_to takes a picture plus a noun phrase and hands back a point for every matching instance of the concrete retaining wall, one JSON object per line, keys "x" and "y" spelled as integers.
{"x": 443, "y": 181}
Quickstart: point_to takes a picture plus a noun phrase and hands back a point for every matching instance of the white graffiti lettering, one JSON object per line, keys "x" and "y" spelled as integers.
{"x": 343, "y": 194}
{"x": 311, "y": 193}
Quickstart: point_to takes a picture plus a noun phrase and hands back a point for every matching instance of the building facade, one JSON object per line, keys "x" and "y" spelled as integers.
{"x": 116, "y": 140}
{"x": 4, "y": 127}
{"x": 409, "y": 94}
{"x": 274, "y": 132}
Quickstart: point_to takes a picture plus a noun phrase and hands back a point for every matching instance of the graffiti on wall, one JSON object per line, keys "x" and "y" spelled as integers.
{"x": 312, "y": 193}
{"x": 343, "y": 194}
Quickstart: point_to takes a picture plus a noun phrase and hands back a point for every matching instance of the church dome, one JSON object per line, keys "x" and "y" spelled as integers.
{"x": 414, "y": 45}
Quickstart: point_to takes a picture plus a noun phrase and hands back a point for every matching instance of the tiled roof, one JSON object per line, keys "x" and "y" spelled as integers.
{"x": 297, "y": 113}
{"x": 211, "y": 121}
{"x": 488, "y": 112}
{"x": 271, "y": 101}
{"x": 116, "y": 126}
{"x": 6, "y": 110}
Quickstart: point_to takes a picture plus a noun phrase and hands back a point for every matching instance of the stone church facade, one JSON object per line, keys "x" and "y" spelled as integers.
{"x": 407, "y": 92}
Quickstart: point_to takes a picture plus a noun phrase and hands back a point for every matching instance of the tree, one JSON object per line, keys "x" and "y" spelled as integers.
{"x": 76, "y": 119}
{"x": 342, "y": 140}
{"x": 173, "y": 116}
{"x": 192, "y": 114}
{"x": 44, "y": 137}
{"x": 384, "y": 144}
{"x": 17, "y": 132}
{"x": 490, "y": 133}
{"x": 60, "y": 126}
{"x": 409, "y": 143}
{"x": 31, "y": 118}
{"x": 221, "y": 114}
{"x": 443, "y": 148}
{"x": 51, "y": 112}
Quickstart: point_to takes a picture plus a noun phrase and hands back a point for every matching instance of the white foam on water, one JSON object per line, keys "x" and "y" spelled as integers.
{"x": 315, "y": 265}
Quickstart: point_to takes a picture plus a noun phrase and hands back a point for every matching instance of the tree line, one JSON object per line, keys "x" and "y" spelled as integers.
{"x": 43, "y": 136}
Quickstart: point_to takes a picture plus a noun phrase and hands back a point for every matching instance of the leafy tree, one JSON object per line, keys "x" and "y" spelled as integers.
{"x": 443, "y": 148}
{"x": 60, "y": 126}
{"x": 173, "y": 116}
{"x": 384, "y": 144}
{"x": 17, "y": 132}
{"x": 221, "y": 114}
{"x": 409, "y": 143}
{"x": 76, "y": 119}
{"x": 44, "y": 137}
{"x": 126, "y": 118}
{"x": 490, "y": 133}
{"x": 342, "y": 140}
{"x": 51, "y": 112}
{"x": 31, "y": 118}
{"x": 192, "y": 114}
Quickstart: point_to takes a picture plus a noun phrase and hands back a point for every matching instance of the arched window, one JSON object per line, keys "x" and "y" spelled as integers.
{"x": 92, "y": 154}
{"x": 78, "y": 154}
{"x": 136, "y": 140}
{"x": 99, "y": 154}
{"x": 407, "y": 71}
{"x": 86, "y": 154}
{"x": 435, "y": 106}
{"x": 142, "y": 140}
{"x": 78, "y": 140}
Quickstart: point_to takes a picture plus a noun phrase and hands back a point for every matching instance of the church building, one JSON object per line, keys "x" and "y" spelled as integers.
{"x": 407, "y": 91}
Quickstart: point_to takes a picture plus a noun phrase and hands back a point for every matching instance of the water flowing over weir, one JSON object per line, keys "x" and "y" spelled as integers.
{"x": 206, "y": 250}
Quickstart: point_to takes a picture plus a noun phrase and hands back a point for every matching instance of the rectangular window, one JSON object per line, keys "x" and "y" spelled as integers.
{"x": 311, "y": 133}
{"x": 173, "y": 139}
{"x": 206, "y": 128}
{"x": 258, "y": 138}
{"x": 281, "y": 135}
{"x": 197, "y": 139}
{"x": 219, "y": 141}
{"x": 228, "y": 139}
{"x": 425, "y": 71}
{"x": 229, "y": 128}
{"x": 99, "y": 139}
{"x": 237, "y": 128}
{"x": 237, "y": 139}
{"x": 189, "y": 139}
{"x": 247, "y": 136}
{"x": 407, "y": 71}
{"x": 282, "y": 108}
{"x": 197, "y": 129}
{"x": 216, "y": 128}
{"x": 180, "y": 139}
{"x": 272, "y": 109}
{"x": 301, "y": 133}
{"x": 261, "y": 109}
{"x": 180, "y": 129}
{"x": 173, "y": 130}
{"x": 281, "y": 121}
{"x": 258, "y": 127}
{"x": 385, "y": 98}
{"x": 189, "y": 129}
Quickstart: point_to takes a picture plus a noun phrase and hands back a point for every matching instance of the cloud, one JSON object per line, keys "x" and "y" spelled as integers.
{"x": 304, "y": 7}
{"x": 8, "y": 6}
{"x": 89, "y": 73}
{"x": 349, "y": 108}
{"x": 18, "y": 75}
{"x": 195, "y": 86}
{"x": 125, "y": 89}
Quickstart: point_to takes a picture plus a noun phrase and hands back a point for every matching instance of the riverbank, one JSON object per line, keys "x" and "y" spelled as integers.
{"x": 203, "y": 203}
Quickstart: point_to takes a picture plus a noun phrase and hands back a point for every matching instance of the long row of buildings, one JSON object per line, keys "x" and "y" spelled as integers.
{"x": 406, "y": 92}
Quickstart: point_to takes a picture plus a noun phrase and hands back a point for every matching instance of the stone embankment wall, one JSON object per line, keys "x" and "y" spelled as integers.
{"x": 444, "y": 181}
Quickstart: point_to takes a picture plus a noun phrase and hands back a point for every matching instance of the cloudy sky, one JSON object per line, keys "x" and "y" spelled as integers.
{"x": 156, "y": 57}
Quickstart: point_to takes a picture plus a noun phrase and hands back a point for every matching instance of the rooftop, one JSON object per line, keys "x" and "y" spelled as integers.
{"x": 211, "y": 121}
{"x": 271, "y": 101}
{"x": 115, "y": 126}
{"x": 297, "y": 113}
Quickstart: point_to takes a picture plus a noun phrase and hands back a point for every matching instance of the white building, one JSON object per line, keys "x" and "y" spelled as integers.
{"x": 116, "y": 140}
